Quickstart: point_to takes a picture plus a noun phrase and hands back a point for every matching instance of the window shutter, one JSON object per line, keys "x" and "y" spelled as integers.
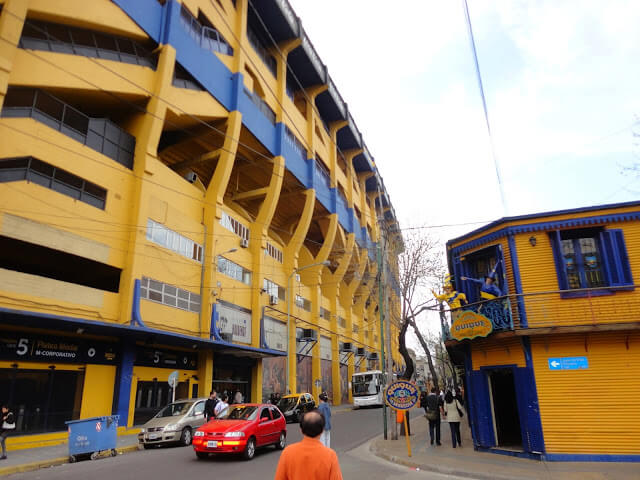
{"x": 615, "y": 258}
{"x": 556, "y": 246}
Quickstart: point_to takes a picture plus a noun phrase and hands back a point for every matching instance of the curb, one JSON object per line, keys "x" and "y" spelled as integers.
{"x": 437, "y": 468}
{"x": 28, "y": 467}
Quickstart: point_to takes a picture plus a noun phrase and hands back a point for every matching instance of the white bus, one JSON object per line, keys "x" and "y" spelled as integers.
{"x": 368, "y": 388}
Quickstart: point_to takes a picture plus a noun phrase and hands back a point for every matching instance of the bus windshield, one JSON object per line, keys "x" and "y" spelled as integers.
{"x": 365, "y": 384}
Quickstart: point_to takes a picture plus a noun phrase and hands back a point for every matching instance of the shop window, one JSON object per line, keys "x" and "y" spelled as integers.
{"x": 41, "y": 400}
{"x": 590, "y": 258}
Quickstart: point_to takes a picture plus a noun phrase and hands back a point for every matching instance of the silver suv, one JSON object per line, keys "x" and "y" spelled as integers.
{"x": 175, "y": 423}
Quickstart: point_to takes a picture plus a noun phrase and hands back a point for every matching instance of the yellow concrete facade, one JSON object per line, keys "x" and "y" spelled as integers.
{"x": 201, "y": 229}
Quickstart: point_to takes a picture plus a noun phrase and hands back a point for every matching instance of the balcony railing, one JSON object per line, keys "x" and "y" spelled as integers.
{"x": 558, "y": 308}
{"x": 99, "y": 134}
{"x": 77, "y": 41}
{"x": 262, "y": 106}
{"x": 206, "y": 37}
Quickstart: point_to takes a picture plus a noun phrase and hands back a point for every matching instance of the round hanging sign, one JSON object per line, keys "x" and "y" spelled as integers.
{"x": 402, "y": 395}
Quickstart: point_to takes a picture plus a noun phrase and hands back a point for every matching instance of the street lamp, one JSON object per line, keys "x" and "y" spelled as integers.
{"x": 295, "y": 270}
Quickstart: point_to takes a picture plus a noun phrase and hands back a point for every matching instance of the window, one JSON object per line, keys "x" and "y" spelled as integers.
{"x": 303, "y": 303}
{"x": 265, "y": 414}
{"x": 158, "y": 233}
{"x": 274, "y": 252}
{"x": 37, "y": 171}
{"x": 273, "y": 289}
{"x": 591, "y": 258}
{"x": 355, "y": 328}
{"x": 275, "y": 413}
{"x": 342, "y": 322}
{"x": 233, "y": 270}
{"x": 199, "y": 408}
{"x": 324, "y": 313}
{"x": 234, "y": 225}
{"x": 169, "y": 295}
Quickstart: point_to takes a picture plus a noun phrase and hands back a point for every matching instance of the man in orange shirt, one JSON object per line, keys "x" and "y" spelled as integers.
{"x": 309, "y": 459}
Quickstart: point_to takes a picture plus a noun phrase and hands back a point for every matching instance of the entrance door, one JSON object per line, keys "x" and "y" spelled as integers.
{"x": 231, "y": 375}
{"x": 505, "y": 408}
{"x": 152, "y": 396}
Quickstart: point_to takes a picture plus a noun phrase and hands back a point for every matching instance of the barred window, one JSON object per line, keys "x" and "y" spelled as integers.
{"x": 233, "y": 270}
{"x": 303, "y": 303}
{"x": 234, "y": 226}
{"x": 273, "y": 289}
{"x": 160, "y": 234}
{"x": 169, "y": 295}
{"x": 274, "y": 252}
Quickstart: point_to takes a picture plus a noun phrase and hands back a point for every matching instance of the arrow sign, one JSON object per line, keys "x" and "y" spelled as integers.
{"x": 568, "y": 363}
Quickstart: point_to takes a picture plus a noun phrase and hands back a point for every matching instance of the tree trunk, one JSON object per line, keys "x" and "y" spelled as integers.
{"x": 402, "y": 347}
{"x": 425, "y": 347}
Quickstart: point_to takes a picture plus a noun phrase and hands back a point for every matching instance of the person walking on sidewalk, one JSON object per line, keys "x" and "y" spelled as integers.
{"x": 434, "y": 408}
{"x": 453, "y": 412}
{"x": 309, "y": 459}
{"x": 7, "y": 425}
{"x": 222, "y": 406}
{"x": 325, "y": 411}
{"x": 210, "y": 405}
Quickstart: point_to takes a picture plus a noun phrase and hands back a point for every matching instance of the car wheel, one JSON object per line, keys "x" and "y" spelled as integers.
{"x": 282, "y": 442}
{"x": 202, "y": 455}
{"x": 250, "y": 450}
{"x": 185, "y": 438}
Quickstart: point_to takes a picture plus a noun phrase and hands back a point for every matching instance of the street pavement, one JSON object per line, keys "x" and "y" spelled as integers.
{"x": 352, "y": 429}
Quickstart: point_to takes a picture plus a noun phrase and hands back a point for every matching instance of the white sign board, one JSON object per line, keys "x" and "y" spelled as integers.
{"x": 325, "y": 348}
{"x": 173, "y": 379}
{"x": 275, "y": 334}
{"x": 235, "y": 322}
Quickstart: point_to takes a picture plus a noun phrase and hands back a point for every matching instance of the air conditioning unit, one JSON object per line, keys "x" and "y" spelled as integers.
{"x": 244, "y": 243}
{"x": 191, "y": 176}
{"x": 309, "y": 335}
{"x": 360, "y": 352}
{"x": 346, "y": 347}
{"x": 226, "y": 336}
{"x": 273, "y": 299}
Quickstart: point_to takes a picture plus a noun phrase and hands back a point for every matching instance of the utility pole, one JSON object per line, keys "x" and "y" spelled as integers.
{"x": 389, "y": 365}
{"x": 381, "y": 316}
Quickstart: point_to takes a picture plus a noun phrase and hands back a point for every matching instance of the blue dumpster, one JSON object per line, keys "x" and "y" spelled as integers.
{"x": 90, "y": 436}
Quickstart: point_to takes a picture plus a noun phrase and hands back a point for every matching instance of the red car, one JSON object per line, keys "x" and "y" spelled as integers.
{"x": 241, "y": 429}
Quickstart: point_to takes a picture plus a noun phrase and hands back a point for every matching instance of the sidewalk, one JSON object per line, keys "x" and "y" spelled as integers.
{"x": 466, "y": 462}
{"x": 35, "y": 458}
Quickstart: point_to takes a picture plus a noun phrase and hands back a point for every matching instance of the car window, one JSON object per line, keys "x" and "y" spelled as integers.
{"x": 275, "y": 413}
{"x": 199, "y": 408}
{"x": 265, "y": 413}
{"x": 174, "y": 409}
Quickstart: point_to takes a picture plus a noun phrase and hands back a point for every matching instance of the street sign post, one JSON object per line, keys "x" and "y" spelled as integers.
{"x": 568, "y": 363}
{"x": 173, "y": 383}
{"x": 402, "y": 396}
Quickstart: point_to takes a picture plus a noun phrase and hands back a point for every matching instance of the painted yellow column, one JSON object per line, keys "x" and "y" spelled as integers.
{"x": 205, "y": 372}
{"x": 281, "y": 57}
{"x": 213, "y": 202}
{"x": 11, "y": 23}
{"x": 256, "y": 382}
{"x": 147, "y": 131}
{"x": 240, "y": 31}
{"x": 97, "y": 391}
{"x": 259, "y": 230}
{"x": 291, "y": 253}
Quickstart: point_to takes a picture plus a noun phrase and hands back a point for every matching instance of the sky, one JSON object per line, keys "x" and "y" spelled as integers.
{"x": 561, "y": 83}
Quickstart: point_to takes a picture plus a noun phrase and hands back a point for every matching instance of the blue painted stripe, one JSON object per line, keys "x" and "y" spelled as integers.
{"x": 578, "y": 457}
{"x": 536, "y": 227}
{"x": 510, "y": 453}
{"x": 522, "y": 313}
{"x": 164, "y": 26}
{"x": 500, "y": 221}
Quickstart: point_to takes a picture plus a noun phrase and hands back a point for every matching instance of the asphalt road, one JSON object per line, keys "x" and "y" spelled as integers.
{"x": 349, "y": 435}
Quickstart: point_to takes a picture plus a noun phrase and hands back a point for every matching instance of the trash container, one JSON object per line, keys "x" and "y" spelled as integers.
{"x": 90, "y": 436}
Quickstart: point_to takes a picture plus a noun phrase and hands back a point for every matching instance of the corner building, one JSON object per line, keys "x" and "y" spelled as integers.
{"x": 182, "y": 187}
{"x": 551, "y": 366}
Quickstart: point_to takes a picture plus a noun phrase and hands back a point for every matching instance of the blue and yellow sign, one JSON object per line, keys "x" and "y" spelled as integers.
{"x": 402, "y": 395}
{"x": 470, "y": 325}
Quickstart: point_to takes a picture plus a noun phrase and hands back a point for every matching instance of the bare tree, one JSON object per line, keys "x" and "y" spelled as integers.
{"x": 420, "y": 266}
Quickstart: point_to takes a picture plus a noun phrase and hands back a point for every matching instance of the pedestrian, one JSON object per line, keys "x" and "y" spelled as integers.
{"x": 309, "y": 459}
{"x": 238, "y": 397}
{"x": 7, "y": 425}
{"x": 222, "y": 406}
{"x": 423, "y": 401}
{"x": 453, "y": 412}
{"x": 433, "y": 409}
{"x": 210, "y": 405}
{"x": 325, "y": 411}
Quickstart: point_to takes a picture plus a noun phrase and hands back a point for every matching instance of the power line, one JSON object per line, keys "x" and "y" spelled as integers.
{"x": 484, "y": 105}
